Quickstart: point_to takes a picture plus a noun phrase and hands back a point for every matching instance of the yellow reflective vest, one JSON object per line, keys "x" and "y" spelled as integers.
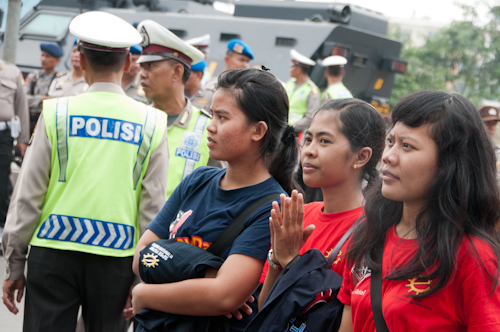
{"x": 187, "y": 147}
{"x": 298, "y": 99}
{"x": 101, "y": 146}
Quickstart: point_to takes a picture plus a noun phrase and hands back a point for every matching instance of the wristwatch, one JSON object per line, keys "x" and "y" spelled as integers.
{"x": 272, "y": 263}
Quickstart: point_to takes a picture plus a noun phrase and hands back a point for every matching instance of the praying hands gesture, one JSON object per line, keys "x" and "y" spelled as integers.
{"x": 287, "y": 228}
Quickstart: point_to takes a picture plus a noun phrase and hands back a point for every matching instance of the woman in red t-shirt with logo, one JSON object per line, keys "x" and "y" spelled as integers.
{"x": 342, "y": 149}
{"x": 433, "y": 221}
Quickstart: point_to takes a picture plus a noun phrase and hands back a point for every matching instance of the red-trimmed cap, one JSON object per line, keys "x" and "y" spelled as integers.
{"x": 160, "y": 43}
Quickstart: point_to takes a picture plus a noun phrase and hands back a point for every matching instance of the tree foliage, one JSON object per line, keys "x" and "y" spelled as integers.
{"x": 463, "y": 57}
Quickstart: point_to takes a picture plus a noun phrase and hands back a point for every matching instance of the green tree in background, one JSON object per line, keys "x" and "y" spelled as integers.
{"x": 463, "y": 57}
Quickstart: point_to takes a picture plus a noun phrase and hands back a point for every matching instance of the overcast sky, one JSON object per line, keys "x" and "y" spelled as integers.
{"x": 437, "y": 10}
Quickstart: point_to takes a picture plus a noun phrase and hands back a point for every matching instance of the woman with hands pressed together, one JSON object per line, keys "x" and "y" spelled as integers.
{"x": 430, "y": 227}
{"x": 342, "y": 148}
{"x": 250, "y": 131}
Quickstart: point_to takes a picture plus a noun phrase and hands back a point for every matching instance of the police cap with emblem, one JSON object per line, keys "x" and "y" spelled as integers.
{"x": 159, "y": 43}
{"x": 489, "y": 113}
{"x": 240, "y": 47}
{"x": 100, "y": 31}
{"x": 52, "y": 49}
{"x": 202, "y": 43}
{"x": 299, "y": 59}
{"x": 334, "y": 60}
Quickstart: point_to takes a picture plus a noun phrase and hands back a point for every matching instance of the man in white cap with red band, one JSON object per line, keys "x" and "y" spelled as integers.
{"x": 303, "y": 94}
{"x": 334, "y": 74}
{"x": 166, "y": 66}
{"x": 95, "y": 173}
{"x": 202, "y": 43}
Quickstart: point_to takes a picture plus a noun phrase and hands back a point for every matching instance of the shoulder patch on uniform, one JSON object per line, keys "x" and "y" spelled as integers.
{"x": 207, "y": 113}
{"x": 23, "y": 82}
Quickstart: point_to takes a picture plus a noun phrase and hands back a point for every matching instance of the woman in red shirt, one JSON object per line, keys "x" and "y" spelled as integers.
{"x": 342, "y": 149}
{"x": 433, "y": 220}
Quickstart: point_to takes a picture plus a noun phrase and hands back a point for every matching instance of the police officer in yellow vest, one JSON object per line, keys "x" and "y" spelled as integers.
{"x": 95, "y": 170}
{"x": 303, "y": 95}
{"x": 334, "y": 74}
{"x": 166, "y": 62}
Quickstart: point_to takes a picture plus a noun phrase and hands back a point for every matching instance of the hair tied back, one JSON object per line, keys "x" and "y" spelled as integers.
{"x": 265, "y": 69}
{"x": 289, "y": 136}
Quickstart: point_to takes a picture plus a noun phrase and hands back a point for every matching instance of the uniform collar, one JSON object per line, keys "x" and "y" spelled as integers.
{"x": 106, "y": 87}
{"x": 184, "y": 117}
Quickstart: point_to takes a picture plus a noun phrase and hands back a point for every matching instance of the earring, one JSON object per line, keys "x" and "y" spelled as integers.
{"x": 355, "y": 166}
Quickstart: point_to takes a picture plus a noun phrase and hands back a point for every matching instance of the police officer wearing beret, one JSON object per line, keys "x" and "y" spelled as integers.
{"x": 199, "y": 96}
{"x": 238, "y": 56}
{"x": 12, "y": 103}
{"x": 38, "y": 82}
{"x": 131, "y": 81}
{"x": 166, "y": 66}
{"x": 303, "y": 94}
{"x": 94, "y": 173}
{"x": 71, "y": 83}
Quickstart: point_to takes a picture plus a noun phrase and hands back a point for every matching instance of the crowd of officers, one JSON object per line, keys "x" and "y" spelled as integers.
{"x": 162, "y": 71}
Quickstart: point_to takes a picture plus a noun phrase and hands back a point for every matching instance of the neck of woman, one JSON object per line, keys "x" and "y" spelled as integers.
{"x": 342, "y": 197}
{"x": 244, "y": 174}
{"x": 406, "y": 228}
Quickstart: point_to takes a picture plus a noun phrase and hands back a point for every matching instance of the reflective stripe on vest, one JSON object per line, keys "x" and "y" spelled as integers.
{"x": 198, "y": 131}
{"x": 87, "y": 231}
{"x": 145, "y": 144}
{"x": 62, "y": 137}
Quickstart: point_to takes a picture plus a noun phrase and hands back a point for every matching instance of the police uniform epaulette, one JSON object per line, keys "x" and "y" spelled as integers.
{"x": 207, "y": 113}
{"x": 61, "y": 74}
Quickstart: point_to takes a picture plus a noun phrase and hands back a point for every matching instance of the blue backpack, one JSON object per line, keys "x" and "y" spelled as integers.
{"x": 304, "y": 297}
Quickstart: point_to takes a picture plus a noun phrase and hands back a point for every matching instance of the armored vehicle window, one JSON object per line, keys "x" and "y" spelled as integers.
{"x": 228, "y": 36}
{"x": 48, "y": 25}
{"x": 289, "y": 42}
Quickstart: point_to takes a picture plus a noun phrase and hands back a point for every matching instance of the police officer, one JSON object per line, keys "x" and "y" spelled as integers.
{"x": 491, "y": 116}
{"x": 334, "y": 74}
{"x": 165, "y": 63}
{"x": 71, "y": 83}
{"x": 238, "y": 56}
{"x": 131, "y": 81}
{"x": 89, "y": 179}
{"x": 303, "y": 94}
{"x": 200, "y": 97}
{"x": 38, "y": 82}
{"x": 203, "y": 44}
{"x": 12, "y": 103}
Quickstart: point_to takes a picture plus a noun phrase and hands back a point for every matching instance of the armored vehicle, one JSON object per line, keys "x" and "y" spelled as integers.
{"x": 271, "y": 28}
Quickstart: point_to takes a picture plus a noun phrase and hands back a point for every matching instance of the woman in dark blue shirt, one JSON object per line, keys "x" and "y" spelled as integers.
{"x": 249, "y": 131}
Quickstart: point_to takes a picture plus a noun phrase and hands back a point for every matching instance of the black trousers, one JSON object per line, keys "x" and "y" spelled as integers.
{"x": 59, "y": 281}
{"x": 5, "y": 185}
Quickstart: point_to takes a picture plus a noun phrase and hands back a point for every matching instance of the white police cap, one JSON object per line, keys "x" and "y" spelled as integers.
{"x": 334, "y": 60}
{"x": 201, "y": 42}
{"x": 159, "y": 43}
{"x": 302, "y": 59}
{"x": 104, "y": 32}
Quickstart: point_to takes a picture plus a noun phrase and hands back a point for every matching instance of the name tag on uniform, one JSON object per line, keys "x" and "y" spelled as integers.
{"x": 105, "y": 128}
{"x": 190, "y": 145}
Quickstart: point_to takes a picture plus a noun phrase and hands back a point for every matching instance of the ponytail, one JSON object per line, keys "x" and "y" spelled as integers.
{"x": 283, "y": 163}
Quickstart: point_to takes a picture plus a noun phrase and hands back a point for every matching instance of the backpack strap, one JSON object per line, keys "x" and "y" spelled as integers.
{"x": 236, "y": 226}
{"x": 376, "y": 297}
{"x": 335, "y": 251}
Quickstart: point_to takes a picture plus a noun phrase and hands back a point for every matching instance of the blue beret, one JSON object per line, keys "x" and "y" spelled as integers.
{"x": 136, "y": 49}
{"x": 75, "y": 41}
{"x": 200, "y": 66}
{"x": 52, "y": 49}
{"x": 240, "y": 47}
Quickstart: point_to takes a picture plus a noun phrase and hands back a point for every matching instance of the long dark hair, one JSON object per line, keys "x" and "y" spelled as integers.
{"x": 463, "y": 200}
{"x": 363, "y": 126}
{"x": 263, "y": 98}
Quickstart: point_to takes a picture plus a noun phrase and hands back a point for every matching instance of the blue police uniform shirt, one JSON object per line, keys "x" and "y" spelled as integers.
{"x": 214, "y": 209}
